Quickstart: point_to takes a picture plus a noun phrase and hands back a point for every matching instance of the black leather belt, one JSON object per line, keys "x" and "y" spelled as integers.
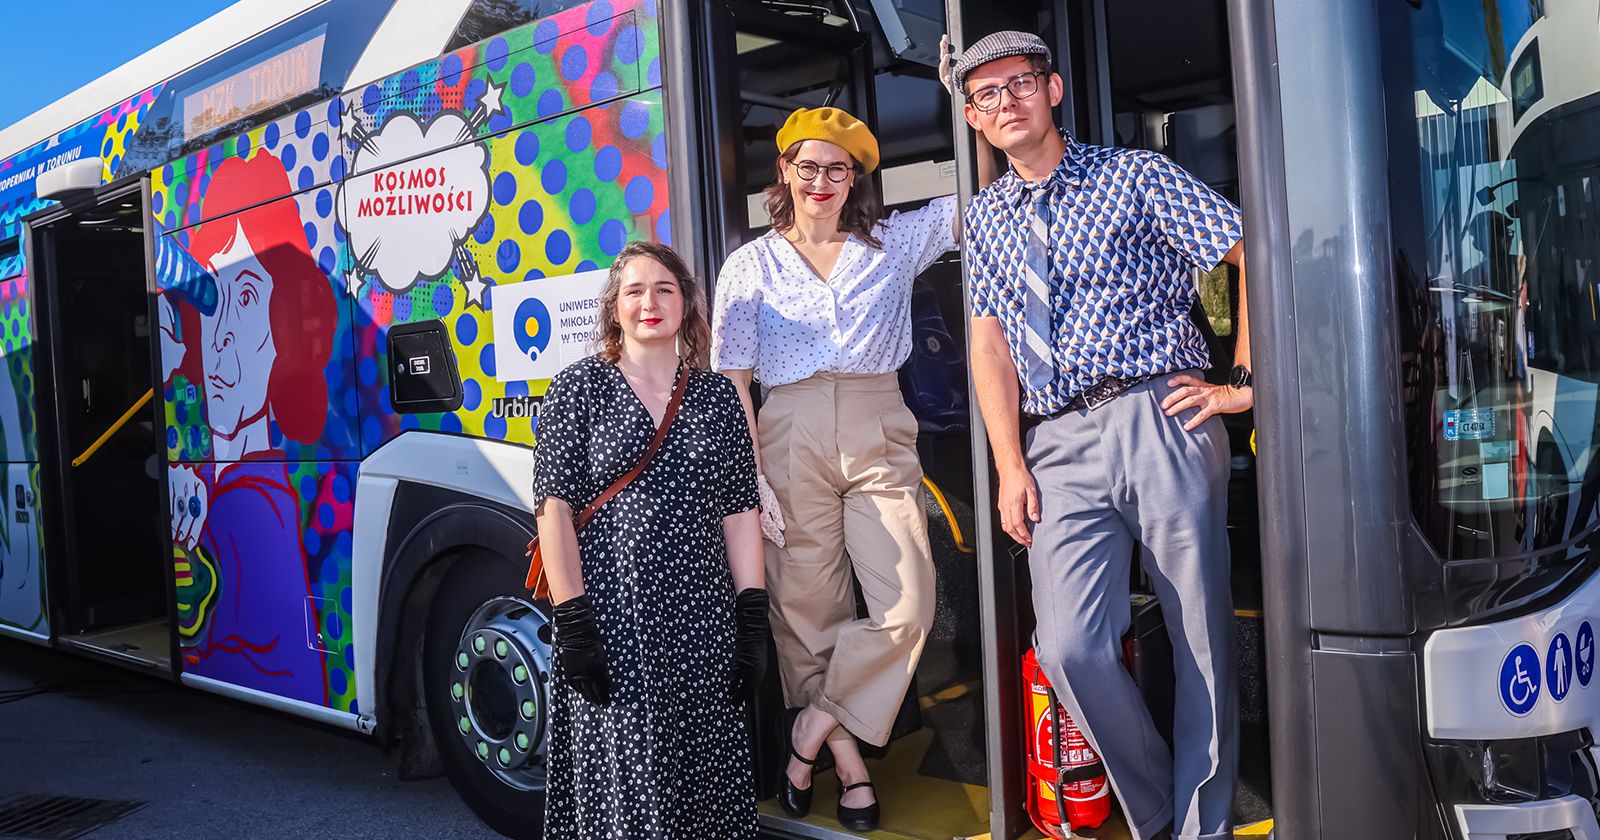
{"x": 1104, "y": 391}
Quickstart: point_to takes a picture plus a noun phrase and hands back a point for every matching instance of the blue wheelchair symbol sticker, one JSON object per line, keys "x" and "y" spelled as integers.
{"x": 1558, "y": 667}
{"x": 1585, "y": 654}
{"x": 1519, "y": 679}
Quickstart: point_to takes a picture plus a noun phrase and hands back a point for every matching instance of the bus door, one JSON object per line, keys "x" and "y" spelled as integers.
{"x": 759, "y": 62}
{"x": 1158, "y": 76}
{"x": 99, "y": 431}
{"x": 22, "y": 578}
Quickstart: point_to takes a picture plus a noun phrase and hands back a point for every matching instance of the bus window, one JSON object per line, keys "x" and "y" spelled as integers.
{"x": 1496, "y": 246}
{"x": 289, "y": 67}
{"x": 488, "y": 18}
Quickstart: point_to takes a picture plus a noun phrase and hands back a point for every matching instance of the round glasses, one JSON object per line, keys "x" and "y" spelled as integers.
{"x": 808, "y": 169}
{"x": 1022, "y": 86}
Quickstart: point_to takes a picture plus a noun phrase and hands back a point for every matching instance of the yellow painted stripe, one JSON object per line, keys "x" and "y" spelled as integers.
{"x": 1260, "y": 829}
{"x": 1247, "y": 613}
{"x": 180, "y": 568}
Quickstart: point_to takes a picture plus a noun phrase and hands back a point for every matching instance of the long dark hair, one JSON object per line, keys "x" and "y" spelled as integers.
{"x": 862, "y": 208}
{"x": 694, "y": 334}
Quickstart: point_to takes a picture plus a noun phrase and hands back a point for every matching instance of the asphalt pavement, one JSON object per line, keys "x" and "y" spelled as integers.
{"x": 205, "y": 767}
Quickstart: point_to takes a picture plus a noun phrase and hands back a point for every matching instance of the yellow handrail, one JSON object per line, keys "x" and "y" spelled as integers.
{"x": 115, "y": 427}
{"x": 949, "y": 515}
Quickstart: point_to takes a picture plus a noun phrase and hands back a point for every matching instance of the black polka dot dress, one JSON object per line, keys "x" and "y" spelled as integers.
{"x": 670, "y": 756}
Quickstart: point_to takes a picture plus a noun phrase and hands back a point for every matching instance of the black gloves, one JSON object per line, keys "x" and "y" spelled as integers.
{"x": 583, "y": 659}
{"x": 750, "y": 645}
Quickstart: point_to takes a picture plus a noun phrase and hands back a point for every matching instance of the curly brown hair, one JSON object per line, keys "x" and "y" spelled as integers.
{"x": 694, "y": 334}
{"x": 861, "y": 212}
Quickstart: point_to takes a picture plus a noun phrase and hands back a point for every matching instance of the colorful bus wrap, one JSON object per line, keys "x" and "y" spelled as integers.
{"x": 486, "y": 189}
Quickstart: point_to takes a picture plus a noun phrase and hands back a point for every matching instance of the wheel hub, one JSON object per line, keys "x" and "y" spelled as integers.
{"x": 499, "y": 689}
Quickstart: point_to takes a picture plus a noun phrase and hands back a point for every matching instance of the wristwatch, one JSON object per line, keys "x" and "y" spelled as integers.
{"x": 1240, "y": 377}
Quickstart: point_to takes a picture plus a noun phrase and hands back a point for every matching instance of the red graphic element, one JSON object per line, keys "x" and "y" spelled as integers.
{"x": 1078, "y": 792}
{"x": 301, "y": 308}
{"x": 262, "y": 356}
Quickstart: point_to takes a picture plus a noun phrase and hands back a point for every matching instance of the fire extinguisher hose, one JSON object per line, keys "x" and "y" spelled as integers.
{"x": 1060, "y": 757}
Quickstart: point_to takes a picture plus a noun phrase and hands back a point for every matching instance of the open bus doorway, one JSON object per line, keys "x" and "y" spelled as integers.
{"x": 101, "y": 448}
{"x": 763, "y": 61}
{"x": 954, "y": 765}
{"x": 1166, "y": 85}
{"x": 1156, "y": 75}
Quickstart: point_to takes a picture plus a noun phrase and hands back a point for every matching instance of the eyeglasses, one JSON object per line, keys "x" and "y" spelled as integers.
{"x": 1022, "y": 86}
{"x": 808, "y": 169}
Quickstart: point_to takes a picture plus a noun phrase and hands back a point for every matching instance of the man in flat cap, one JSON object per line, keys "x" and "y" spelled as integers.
{"x": 1080, "y": 263}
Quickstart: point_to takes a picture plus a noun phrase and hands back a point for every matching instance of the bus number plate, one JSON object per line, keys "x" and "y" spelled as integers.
{"x": 1469, "y": 424}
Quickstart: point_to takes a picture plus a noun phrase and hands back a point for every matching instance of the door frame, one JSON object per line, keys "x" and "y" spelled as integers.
{"x": 59, "y": 543}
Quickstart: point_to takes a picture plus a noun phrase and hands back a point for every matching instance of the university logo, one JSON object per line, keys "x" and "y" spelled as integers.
{"x": 532, "y": 329}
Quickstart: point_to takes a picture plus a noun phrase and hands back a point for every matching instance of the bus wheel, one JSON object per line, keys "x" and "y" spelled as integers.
{"x": 486, "y": 676}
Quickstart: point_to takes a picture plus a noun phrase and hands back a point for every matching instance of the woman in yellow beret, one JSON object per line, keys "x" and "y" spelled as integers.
{"x": 818, "y": 310}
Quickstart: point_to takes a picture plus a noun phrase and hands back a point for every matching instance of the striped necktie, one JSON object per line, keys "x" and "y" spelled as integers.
{"x": 1036, "y": 357}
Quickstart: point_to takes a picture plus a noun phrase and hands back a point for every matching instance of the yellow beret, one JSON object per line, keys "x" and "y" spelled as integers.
{"x": 836, "y": 127}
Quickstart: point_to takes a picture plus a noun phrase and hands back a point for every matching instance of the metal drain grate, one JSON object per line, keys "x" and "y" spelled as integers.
{"x": 39, "y": 817}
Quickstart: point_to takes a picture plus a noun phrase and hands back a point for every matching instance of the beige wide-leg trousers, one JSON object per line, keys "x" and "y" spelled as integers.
{"x": 840, "y": 454}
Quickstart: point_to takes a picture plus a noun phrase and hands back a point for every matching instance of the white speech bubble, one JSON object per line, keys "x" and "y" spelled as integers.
{"x": 405, "y": 220}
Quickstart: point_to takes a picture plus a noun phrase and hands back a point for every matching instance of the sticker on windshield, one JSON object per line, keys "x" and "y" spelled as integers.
{"x": 1469, "y": 424}
{"x": 1496, "y": 450}
{"x": 1519, "y": 679}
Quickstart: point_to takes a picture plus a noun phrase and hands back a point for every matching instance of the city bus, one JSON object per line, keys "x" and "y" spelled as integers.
{"x": 281, "y": 297}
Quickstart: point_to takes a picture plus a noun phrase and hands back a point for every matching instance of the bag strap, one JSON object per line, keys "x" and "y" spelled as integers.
{"x": 678, "y": 389}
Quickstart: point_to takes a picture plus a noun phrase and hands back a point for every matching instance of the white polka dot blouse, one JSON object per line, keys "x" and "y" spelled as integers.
{"x": 774, "y": 314}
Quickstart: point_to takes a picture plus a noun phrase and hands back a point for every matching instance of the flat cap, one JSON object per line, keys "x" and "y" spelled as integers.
{"x": 1003, "y": 44}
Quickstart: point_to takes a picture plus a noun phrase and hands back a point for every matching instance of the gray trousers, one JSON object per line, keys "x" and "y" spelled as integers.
{"x": 1122, "y": 474}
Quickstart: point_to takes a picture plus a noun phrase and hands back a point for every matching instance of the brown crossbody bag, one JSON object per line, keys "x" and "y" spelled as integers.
{"x": 537, "y": 581}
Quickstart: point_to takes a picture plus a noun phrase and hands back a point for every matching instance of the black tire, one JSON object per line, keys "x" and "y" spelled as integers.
{"x": 476, "y": 579}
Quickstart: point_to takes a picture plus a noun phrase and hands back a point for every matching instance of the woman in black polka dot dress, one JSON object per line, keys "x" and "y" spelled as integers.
{"x": 655, "y": 654}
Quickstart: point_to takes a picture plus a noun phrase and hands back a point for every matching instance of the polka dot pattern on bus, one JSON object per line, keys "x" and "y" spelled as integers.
{"x": 105, "y": 134}
{"x": 559, "y": 161}
{"x": 580, "y": 174}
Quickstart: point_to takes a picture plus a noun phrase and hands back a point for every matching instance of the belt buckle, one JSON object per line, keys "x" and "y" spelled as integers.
{"x": 1095, "y": 398}
{"x": 1103, "y": 392}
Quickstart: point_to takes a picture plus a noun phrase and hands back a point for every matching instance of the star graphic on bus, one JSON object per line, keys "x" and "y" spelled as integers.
{"x": 488, "y": 105}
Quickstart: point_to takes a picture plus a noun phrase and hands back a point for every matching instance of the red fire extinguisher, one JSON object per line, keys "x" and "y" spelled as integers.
{"x": 1067, "y": 788}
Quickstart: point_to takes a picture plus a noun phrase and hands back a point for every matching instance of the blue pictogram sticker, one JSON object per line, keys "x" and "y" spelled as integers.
{"x": 1469, "y": 424}
{"x": 1558, "y": 667}
{"x": 1585, "y": 654}
{"x": 1519, "y": 679}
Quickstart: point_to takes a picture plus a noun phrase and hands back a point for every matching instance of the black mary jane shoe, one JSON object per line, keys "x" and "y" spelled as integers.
{"x": 796, "y": 801}
{"x": 860, "y": 820}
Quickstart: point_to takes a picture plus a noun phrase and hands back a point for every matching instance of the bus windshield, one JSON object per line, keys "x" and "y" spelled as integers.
{"x": 1496, "y": 243}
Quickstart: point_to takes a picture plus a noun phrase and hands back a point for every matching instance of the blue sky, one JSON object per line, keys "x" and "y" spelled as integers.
{"x": 54, "y": 47}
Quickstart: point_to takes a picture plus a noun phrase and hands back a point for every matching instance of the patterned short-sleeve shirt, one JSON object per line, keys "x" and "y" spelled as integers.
{"x": 774, "y": 314}
{"x": 1127, "y": 227}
